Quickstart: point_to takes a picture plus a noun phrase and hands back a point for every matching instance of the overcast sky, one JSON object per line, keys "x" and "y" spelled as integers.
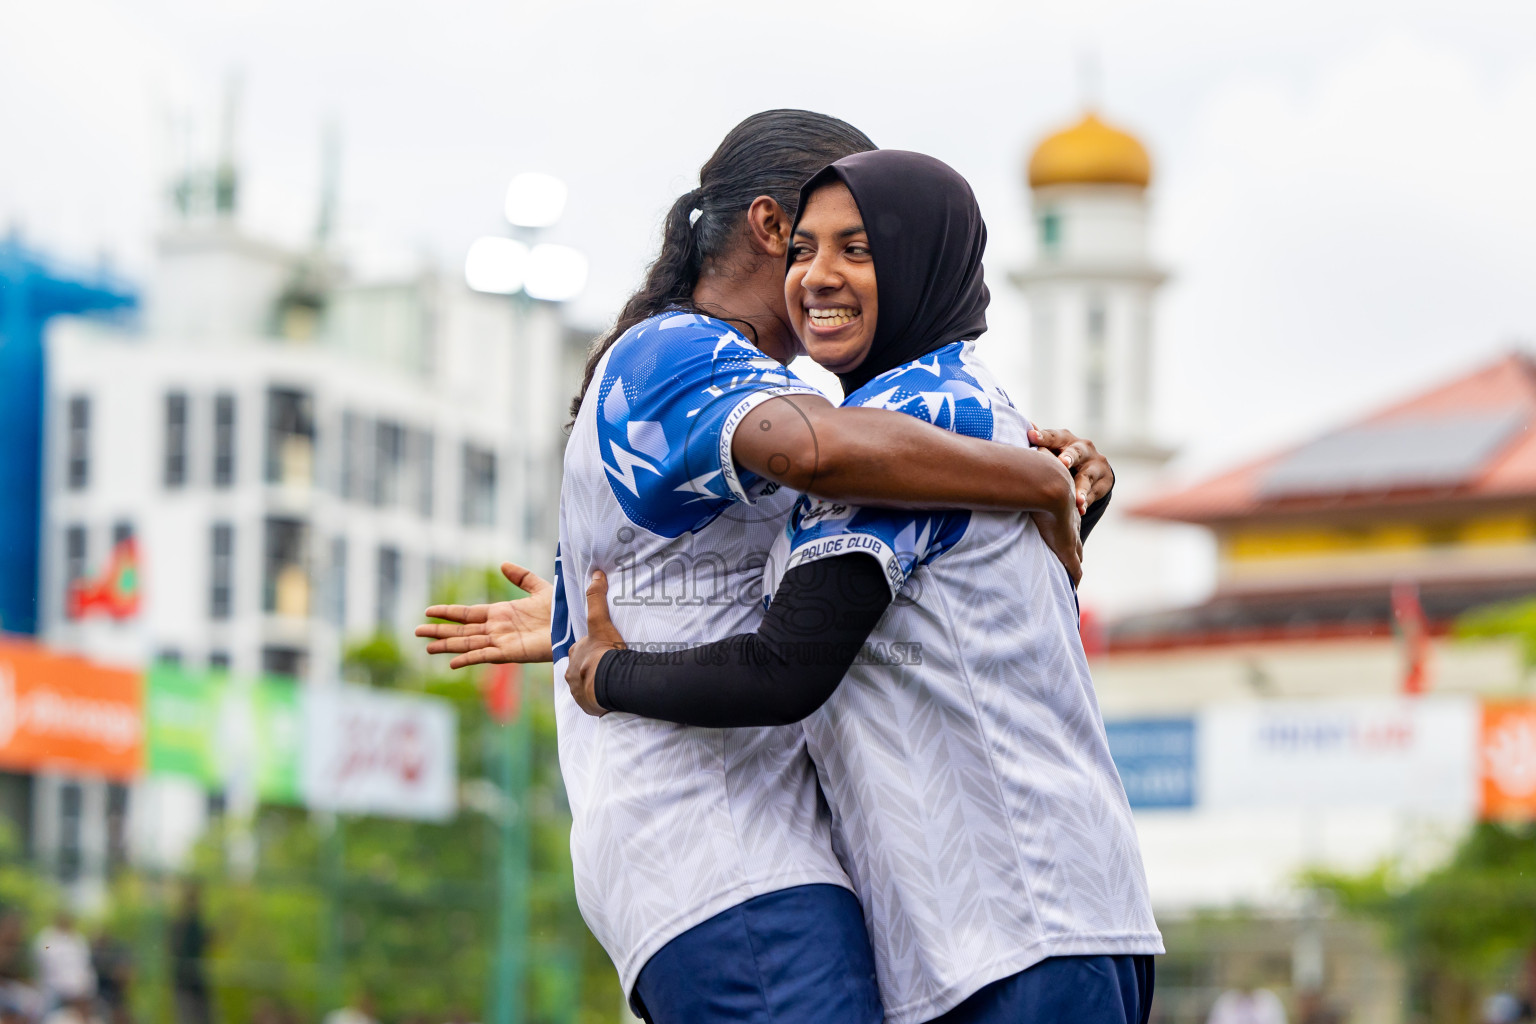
{"x": 1344, "y": 192}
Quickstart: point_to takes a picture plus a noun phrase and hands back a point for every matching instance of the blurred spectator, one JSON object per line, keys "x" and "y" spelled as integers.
{"x": 76, "y": 1009}
{"x": 1505, "y": 1008}
{"x": 63, "y": 957}
{"x": 189, "y": 941}
{"x": 113, "y": 962}
{"x": 1247, "y": 1005}
{"x": 359, "y": 1010}
{"x": 12, "y": 1011}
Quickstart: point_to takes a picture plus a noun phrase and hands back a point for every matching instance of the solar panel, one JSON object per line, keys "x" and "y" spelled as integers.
{"x": 1423, "y": 452}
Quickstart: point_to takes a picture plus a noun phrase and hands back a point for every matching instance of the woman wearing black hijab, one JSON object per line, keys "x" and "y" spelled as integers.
{"x": 962, "y": 756}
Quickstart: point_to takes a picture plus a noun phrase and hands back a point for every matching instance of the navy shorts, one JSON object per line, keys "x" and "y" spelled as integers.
{"x": 1064, "y": 990}
{"x": 796, "y": 956}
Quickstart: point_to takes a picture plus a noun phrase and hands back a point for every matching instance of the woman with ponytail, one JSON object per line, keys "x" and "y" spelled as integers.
{"x": 703, "y": 857}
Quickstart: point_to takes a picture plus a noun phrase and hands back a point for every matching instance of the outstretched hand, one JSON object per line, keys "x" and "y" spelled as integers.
{"x": 1092, "y": 474}
{"x": 602, "y": 637}
{"x": 500, "y": 633}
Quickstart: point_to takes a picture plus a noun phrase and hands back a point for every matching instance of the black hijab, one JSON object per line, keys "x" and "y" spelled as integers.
{"x": 927, "y": 238}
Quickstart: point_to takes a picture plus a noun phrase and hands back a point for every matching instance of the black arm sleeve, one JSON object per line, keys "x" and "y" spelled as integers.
{"x": 1095, "y": 512}
{"x": 820, "y": 617}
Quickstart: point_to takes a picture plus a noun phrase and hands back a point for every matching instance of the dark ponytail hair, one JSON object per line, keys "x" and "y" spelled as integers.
{"x": 769, "y": 154}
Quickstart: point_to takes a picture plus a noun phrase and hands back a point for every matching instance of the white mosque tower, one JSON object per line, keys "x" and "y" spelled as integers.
{"x": 1090, "y": 294}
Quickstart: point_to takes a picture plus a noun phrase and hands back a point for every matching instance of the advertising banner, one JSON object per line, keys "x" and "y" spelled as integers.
{"x": 67, "y": 713}
{"x": 379, "y": 752}
{"x": 1413, "y": 753}
{"x": 227, "y": 734}
{"x": 1507, "y": 761}
{"x": 1156, "y": 760}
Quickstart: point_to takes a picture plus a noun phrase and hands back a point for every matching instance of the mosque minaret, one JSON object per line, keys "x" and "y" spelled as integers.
{"x": 1090, "y": 293}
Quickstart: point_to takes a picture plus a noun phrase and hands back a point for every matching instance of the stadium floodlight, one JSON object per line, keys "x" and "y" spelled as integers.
{"x": 496, "y": 265}
{"x": 535, "y": 200}
{"x": 556, "y": 273}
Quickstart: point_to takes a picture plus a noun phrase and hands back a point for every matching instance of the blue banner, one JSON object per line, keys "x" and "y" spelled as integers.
{"x": 1156, "y": 760}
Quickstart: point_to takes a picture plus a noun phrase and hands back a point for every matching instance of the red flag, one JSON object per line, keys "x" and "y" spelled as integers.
{"x": 1412, "y": 628}
{"x": 115, "y": 591}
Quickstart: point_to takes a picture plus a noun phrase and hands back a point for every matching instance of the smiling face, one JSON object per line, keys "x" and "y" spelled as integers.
{"x": 830, "y": 289}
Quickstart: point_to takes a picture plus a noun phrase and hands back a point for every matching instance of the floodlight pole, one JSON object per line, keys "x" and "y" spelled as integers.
{"x": 512, "y": 746}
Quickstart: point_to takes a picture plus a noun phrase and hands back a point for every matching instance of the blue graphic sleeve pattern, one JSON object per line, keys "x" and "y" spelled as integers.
{"x": 937, "y": 389}
{"x": 674, "y": 390}
{"x": 561, "y": 636}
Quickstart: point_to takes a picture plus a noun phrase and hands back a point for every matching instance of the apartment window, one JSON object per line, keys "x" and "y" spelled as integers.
{"x": 425, "y": 467}
{"x": 1050, "y": 231}
{"x": 290, "y": 437}
{"x": 77, "y": 472}
{"x": 285, "y": 578}
{"x": 479, "y": 497}
{"x": 117, "y": 825}
{"x": 122, "y": 531}
{"x": 387, "y": 587}
{"x": 389, "y": 457}
{"x": 218, "y": 661}
{"x": 168, "y": 656}
{"x": 224, "y": 440}
{"x": 1096, "y": 387}
{"x": 284, "y": 661}
{"x": 339, "y": 582}
{"x": 1097, "y": 317}
{"x": 221, "y": 574}
{"x": 346, "y": 464}
{"x": 359, "y": 439}
{"x": 18, "y": 795}
{"x": 71, "y": 811}
{"x": 175, "y": 474}
{"x": 74, "y": 562}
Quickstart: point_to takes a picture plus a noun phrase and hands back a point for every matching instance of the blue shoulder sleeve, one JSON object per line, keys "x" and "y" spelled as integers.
{"x": 938, "y": 390}
{"x": 672, "y": 394}
{"x": 561, "y": 636}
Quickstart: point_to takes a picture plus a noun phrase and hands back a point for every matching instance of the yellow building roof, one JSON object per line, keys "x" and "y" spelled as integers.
{"x": 1090, "y": 153}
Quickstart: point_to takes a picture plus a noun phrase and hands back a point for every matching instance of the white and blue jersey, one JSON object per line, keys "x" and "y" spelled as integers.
{"x": 673, "y": 824}
{"x": 973, "y": 798}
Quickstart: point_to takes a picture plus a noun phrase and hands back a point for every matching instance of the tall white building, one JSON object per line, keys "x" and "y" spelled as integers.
{"x": 297, "y": 459}
{"x": 1090, "y": 293}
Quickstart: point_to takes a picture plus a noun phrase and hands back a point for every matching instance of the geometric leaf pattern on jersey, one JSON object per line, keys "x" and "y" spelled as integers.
{"x": 667, "y": 395}
{"x": 672, "y": 825}
{"x": 973, "y": 797}
{"x": 1421, "y": 452}
{"x": 937, "y": 389}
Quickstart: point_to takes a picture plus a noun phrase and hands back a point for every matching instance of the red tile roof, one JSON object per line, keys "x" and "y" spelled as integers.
{"x": 1509, "y": 472}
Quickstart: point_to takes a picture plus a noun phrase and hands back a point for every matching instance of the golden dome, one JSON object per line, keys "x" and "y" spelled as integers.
{"x": 1090, "y": 153}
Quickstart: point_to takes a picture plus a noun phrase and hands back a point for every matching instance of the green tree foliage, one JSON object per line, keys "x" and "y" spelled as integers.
{"x": 1461, "y": 929}
{"x": 1513, "y": 619}
{"x": 22, "y": 891}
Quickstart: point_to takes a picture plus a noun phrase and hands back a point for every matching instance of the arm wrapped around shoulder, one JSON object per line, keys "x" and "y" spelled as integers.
{"x": 821, "y": 615}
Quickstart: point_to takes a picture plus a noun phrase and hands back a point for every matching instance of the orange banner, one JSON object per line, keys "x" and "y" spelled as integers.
{"x": 1506, "y": 754}
{"x": 69, "y": 714}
